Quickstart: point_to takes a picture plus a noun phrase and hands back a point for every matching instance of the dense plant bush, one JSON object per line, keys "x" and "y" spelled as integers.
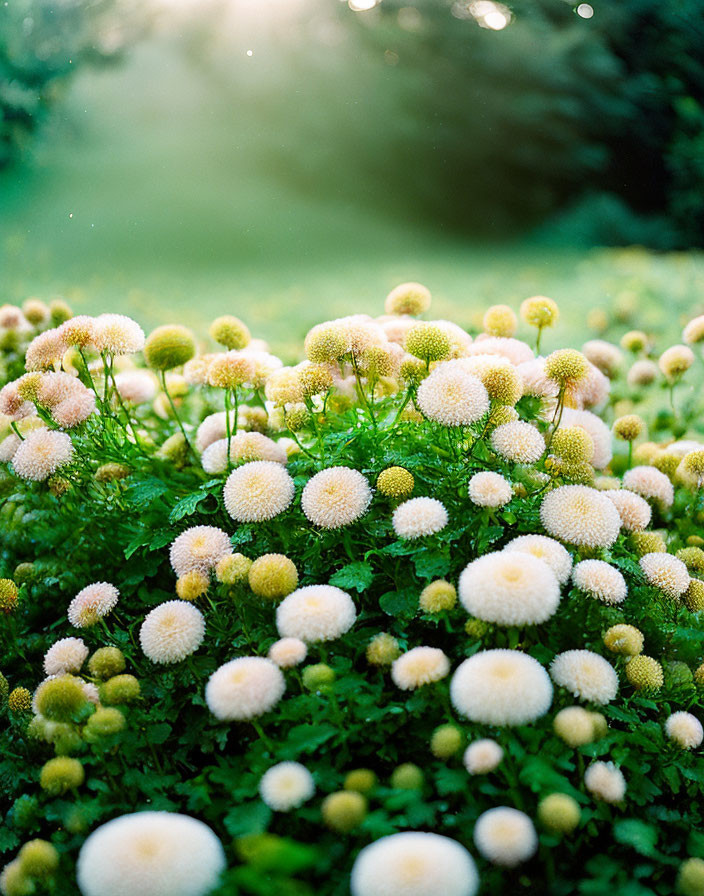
{"x": 419, "y": 582}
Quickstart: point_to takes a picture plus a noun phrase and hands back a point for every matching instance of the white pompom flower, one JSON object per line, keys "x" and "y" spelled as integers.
{"x": 505, "y": 836}
{"x": 685, "y": 730}
{"x": 600, "y": 580}
{"x": 286, "y": 786}
{"x": 580, "y": 515}
{"x": 414, "y": 863}
{"x": 605, "y": 781}
{"x": 336, "y": 497}
{"x": 482, "y": 756}
{"x": 92, "y": 603}
{"x": 152, "y": 854}
{"x": 65, "y": 655}
{"x": 546, "y": 549}
{"x": 244, "y": 688}
{"x": 419, "y": 666}
{"x": 43, "y": 452}
{"x": 199, "y": 548}
{"x": 509, "y": 588}
{"x": 288, "y": 652}
{"x": 487, "y": 489}
{"x": 452, "y": 397}
{"x": 172, "y": 631}
{"x": 256, "y": 491}
{"x": 586, "y": 675}
{"x": 518, "y": 441}
{"x": 665, "y": 572}
{"x": 315, "y": 613}
{"x": 501, "y": 687}
{"x": 419, "y": 517}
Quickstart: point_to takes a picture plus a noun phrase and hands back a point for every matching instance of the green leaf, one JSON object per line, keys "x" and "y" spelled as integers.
{"x": 144, "y": 493}
{"x": 399, "y": 603}
{"x": 186, "y": 506}
{"x": 247, "y": 818}
{"x": 358, "y": 575}
{"x": 641, "y": 836}
{"x": 307, "y": 738}
{"x": 157, "y": 734}
{"x": 431, "y": 564}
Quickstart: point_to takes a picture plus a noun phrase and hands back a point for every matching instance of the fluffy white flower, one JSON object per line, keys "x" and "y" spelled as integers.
{"x": 515, "y": 350}
{"x": 585, "y": 675}
{"x": 605, "y": 781}
{"x": 92, "y": 603}
{"x": 199, "y": 548}
{"x": 65, "y": 655}
{"x": 482, "y": 756}
{"x": 315, "y": 613}
{"x": 414, "y": 863}
{"x": 665, "y": 572}
{"x": 546, "y": 549}
{"x": 43, "y": 452}
{"x": 136, "y": 386}
{"x": 634, "y": 511}
{"x": 288, "y": 652}
{"x": 580, "y": 515}
{"x": 172, "y": 631}
{"x": 150, "y": 854}
{"x": 509, "y": 588}
{"x": 452, "y": 397}
{"x": 505, "y": 836}
{"x": 650, "y": 483}
{"x": 418, "y": 517}
{"x": 487, "y": 489}
{"x": 419, "y": 666}
{"x": 600, "y": 580}
{"x": 685, "y": 730}
{"x": 518, "y": 441}
{"x": 117, "y": 334}
{"x": 286, "y": 786}
{"x": 336, "y": 497}
{"x": 501, "y": 687}
{"x": 244, "y": 688}
{"x": 258, "y": 491}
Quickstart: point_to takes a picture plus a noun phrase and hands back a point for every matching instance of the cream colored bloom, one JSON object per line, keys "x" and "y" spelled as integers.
{"x": 509, "y": 588}
{"x": 585, "y": 675}
{"x": 286, "y": 786}
{"x": 505, "y": 836}
{"x": 487, "y": 489}
{"x": 151, "y": 854}
{"x": 414, "y": 863}
{"x": 336, "y": 497}
{"x": 244, "y": 688}
{"x": 419, "y": 517}
{"x": 172, "y": 631}
{"x": 419, "y": 666}
{"x": 258, "y": 491}
{"x": 315, "y": 613}
{"x": 501, "y": 687}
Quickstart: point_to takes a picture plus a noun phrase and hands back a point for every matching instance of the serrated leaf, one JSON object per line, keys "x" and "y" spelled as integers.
{"x": 247, "y": 818}
{"x": 186, "y": 506}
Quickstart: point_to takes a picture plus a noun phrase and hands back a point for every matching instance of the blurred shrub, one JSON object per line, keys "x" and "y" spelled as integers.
{"x": 41, "y": 43}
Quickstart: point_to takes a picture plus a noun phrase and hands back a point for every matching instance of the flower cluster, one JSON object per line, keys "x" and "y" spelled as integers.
{"x": 398, "y": 619}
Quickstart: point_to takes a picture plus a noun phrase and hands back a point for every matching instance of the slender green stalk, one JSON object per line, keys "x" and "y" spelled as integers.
{"x": 175, "y": 412}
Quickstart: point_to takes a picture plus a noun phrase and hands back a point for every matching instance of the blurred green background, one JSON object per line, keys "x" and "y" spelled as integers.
{"x": 287, "y": 160}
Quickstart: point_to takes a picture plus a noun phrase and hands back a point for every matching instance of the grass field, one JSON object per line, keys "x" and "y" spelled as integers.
{"x": 128, "y": 204}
